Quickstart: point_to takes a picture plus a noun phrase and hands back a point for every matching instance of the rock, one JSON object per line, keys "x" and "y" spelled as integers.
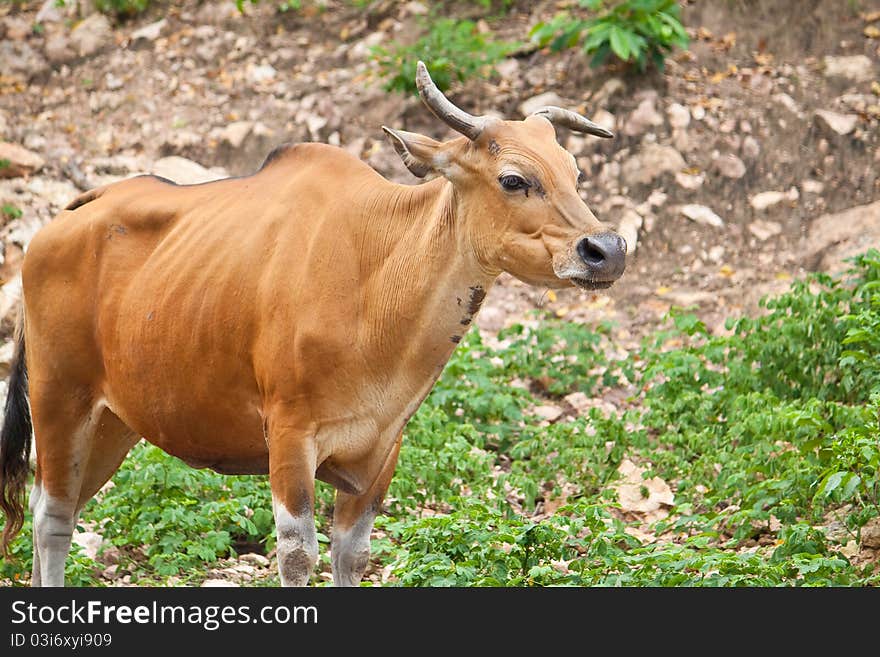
{"x": 18, "y": 161}
{"x": 6, "y": 353}
{"x": 788, "y": 103}
{"x": 508, "y": 68}
{"x": 730, "y": 166}
{"x": 17, "y": 58}
{"x": 643, "y": 117}
{"x": 361, "y": 50}
{"x": 855, "y": 68}
{"x": 217, "y": 583}
{"x": 58, "y": 49}
{"x": 260, "y": 74}
{"x": 841, "y": 124}
{"x": 651, "y": 162}
{"x": 690, "y": 181}
{"x": 579, "y": 401}
{"x": 870, "y": 534}
{"x": 750, "y": 148}
{"x": 49, "y": 13}
{"x": 628, "y": 228}
{"x": 605, "y": 119}
{"x": 810, "y": 186}
{"x": 679, "y": 116}
{"x": 10, "y": 296}
{"x": 415, "y": 8}
{"x": 145, "y": 36}
{"x": 184, "y": 171}
{"x": 58, "y": 193}
{"x": 610, "y": 88}
{"x": 834, "y": 237}
{"x": 235, "y": 133}
{"x": 491, "y": 319}
{"x": 535, "y": 102}
{"x": 698, "y": 112}
{"x": 110, "y": 572}
{"x": 548, "y": 412}
{"x": 702, "y": 215}
{"x": 255, "y": 559}
{"x": 765, "y": 200}
{"x": 764, "y": 230}
{"x": 92, "y": 35}
{"x": 16, "y": 28}
{"x": 90, "y": 542}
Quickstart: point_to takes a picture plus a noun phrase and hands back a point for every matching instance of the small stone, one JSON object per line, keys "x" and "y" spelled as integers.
{"x": 7, "y": 351}
{"x": 750, "y": 148}
{"x": 730, "y": 166}
{"x": 17, "y": 29}
{"x": 217, "y": 583}
{"x": 679, "y": 116}
{"x": 651, "y": 162}
{"x": 764, "y": 230}
{"x": 547, "y": 412}
{"x": 112, "y": 82}
{"x": 855, "y": 68}
{"x": 259, "y": 74}
{"x": 610, "y": 88}
{"x": 702, "y": 215}
{"x": 643, "y": 118}
{"x": 765, "y": 200}
{"x": 18, "y": 161}
{"x": 90, "y": 542}
{"x": 49, "y": 13}
{"x": 690, "y": 181}
{"x": 58, "y": 49}
{"x": 578, "y": 400}
{"x": 716, "y": 253}
{"x": 841, "y": 124}
{"x": 507, "y": 68}
{"x": 111, "y": 572}
{"x": 183, "y": 171}
{"x": 812, "y": 186}
{"x": 698, "y": 112}
{"x": 787, "y": 102}
{"x": 92, "y": 35}
{"x": 147, "y": 34}
{"x": 255, "y": 559}
{"x": 536, "y": 102}
{"x": 871, "y": 534}
{"x": 235, "y": 133}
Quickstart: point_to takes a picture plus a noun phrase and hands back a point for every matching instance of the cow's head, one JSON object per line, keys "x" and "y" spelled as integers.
{"x": 518, "y": 189}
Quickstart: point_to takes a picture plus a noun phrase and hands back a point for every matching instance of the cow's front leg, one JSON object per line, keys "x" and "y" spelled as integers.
{"x": 353, "y": 517}
{"x": 292, "y": 480}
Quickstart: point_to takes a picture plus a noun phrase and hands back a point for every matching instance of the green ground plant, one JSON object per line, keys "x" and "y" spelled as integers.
{"x": 769, "y": 438}
{"x": 637, "y": 32}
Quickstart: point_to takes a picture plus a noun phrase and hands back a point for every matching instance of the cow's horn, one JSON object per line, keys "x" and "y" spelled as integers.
{"x": 457, "y": 119}
{"x": 571, "y": 120}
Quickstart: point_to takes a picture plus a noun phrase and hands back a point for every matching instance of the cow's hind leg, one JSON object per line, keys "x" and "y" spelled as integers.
{"x": 353, "y": 517}
{"x": 80, "y": 444}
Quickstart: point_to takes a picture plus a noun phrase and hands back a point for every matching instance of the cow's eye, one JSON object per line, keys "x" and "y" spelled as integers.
{"x": 512, "y": 182}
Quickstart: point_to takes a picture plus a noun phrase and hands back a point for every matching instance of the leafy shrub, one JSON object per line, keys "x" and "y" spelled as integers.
{"x": 636, "y": 31}
{"x": 451, "y": 49}
{"x": 123, "y": 8}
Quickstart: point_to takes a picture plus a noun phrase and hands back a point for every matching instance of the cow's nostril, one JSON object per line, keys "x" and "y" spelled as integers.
{"x": 591, "y": 253}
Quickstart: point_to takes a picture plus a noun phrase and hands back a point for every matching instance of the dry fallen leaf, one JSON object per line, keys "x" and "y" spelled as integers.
{"x": 638, "y": 495}
{"x": 872, "y": 32}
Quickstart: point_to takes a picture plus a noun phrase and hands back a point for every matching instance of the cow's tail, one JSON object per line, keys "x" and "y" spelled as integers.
{"x": 15, "y": 442}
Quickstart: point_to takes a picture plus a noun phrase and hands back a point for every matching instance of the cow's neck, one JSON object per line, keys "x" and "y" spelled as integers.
{"x": 424, "y": 275}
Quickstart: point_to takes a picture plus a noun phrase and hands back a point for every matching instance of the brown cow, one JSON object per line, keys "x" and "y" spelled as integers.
{"x": 288, "y": 322}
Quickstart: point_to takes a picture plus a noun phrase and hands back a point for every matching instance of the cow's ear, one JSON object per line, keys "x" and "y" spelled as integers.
{"x": 419, "y": 153}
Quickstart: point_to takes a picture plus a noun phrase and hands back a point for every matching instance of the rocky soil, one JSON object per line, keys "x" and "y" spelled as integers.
{"x": 752, "y": 158}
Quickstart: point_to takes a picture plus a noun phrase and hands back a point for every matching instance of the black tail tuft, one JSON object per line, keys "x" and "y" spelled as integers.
{"x": 15, "y": 444}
